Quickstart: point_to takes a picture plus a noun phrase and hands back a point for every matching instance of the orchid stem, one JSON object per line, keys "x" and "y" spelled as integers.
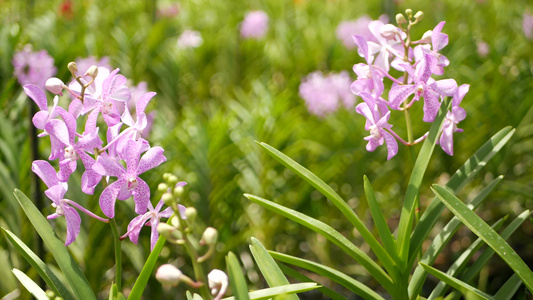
{"x": 118, "y": 253}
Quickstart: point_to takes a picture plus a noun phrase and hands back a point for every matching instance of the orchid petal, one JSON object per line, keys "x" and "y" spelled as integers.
{"x": 109, "y": 197}
{"x": 141, "y": 196}
{"x": 151, "y": 159}
{"x": 399, "y": 93}
{"x": 37, "y": 95}
{"x": 46, "y": 172}
{"x": 73, "y": 223}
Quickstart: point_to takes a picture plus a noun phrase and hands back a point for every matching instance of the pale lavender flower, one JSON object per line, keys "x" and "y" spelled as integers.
{"x": 83, "y": 64}
{"x": 347, "y": 29}
{"x": 387, "y": 46}
{"x": 218, "y": 282}
{"x": 33, "y": 67}
{"x": 439, "y": 40}
{"x": 453, "y": 117}
{"x": 324, "y": 94}
{"x": 45, "y": 114}
{"x": 254, "y": 25}
{"x": 482, "y": 48}
{"x": 527, "y": 25}
{"x": 190, "y": 39}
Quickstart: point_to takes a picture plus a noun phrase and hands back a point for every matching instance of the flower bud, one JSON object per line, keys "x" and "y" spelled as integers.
{"x": 409, "y": 12}
{"x": 175, "y": 222}
{"x": 168, "y": 274}
{"x": 55, "y": 85}
{"x": 92, "y": 72}
{"x": 172, "y": 179}
{"x": 165, "y": 176}
{"x": 168, "y": 199}
{"x": 400, "y": 19}
{"x": 426, "y": 38}
{"x": 218, "y": 282}
{"x": 162, "y": 187}
{"x": 166, "y": 230}
{"x": 178, "y": 191}
{"x": 191, "y": 213}
{"x": 419, "y": 15}
{"x": 210, "y": 236}
{"x": 388, "y": 31}
{"x": 72, "y": 67}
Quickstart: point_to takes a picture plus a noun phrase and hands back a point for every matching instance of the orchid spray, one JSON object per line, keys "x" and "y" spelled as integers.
{"x": 399, "y": 263}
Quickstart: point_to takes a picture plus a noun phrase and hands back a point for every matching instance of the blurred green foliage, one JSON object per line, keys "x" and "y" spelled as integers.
{"x": 214, "y": 101}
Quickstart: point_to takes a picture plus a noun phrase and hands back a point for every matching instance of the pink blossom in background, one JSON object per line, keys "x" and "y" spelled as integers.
{"x": 169, "y": 11}
{"x": 255, "y": 24}
{"x": 190, "y": 39}
{"x": 482, "y": 48}
{"x": 33, "y": 67}
{"x": 84, "y": 64}
{"x": 323, "y": 95}
{"x": 347, "y": 29}
{"x": 527, "y": 25}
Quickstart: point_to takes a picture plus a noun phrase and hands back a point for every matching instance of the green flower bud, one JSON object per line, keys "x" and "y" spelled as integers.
{"x": 168, "y": 199}
{"x": 165, "y": 176}
{"x": 162, "y": 187}
{"x": 409, "y": 12}
{"x": 50, "y": 294}
{"x": 172, "y": 180}
{"x": 191, "y": 213}
{"x": 167, "y": 230}
{"x": 419, "y": 15}
{"x": 72, "y": 67}
{"x": 400, "y": 19}
{"x": 178, "y": 191}
{"x": 210, "y": 236}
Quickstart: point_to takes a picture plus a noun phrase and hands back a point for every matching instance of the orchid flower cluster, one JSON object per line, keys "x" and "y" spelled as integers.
{"x": 98, "y": 94}
{"x": 419, "y": 60}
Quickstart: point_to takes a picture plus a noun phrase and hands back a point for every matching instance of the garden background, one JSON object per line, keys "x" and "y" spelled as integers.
{"x": 215, "y": 100}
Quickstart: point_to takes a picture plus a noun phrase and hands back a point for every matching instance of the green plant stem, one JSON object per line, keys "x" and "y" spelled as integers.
{"x": 198, "y": 269}
{"x": 118, "y": 253}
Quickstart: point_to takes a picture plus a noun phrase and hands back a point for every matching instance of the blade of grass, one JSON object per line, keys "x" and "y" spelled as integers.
{"x": 329, "y": 293}
{"x": 455, "y": 283}
{"x": 42, "y": 269}
{"x": 469, "y": 169}
{"x": 268, "y": 267}
{"x": 236, "y": 277}
{"x": 70, "y": 268}
{"x": 348, "y": 282}
{"x": 285, "y": 290}
{"x": 491, "y": 237}
{"x": 331, "y": 234}
{"x": 507, "y": 291}
{"x": 30, "y": 285}
{"x": 329, "y": 193}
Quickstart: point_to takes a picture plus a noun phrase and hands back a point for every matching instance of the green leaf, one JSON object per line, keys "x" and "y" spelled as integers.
{"x": 439, "y": 241}
{"x": 461, "y": 262}
{"x": 353, "y": 285}
{"x": 413, "y": 188}
{"x": 331, "y": 234}
{"x": 236, "y": 277}
{"x": 491, "y": 237}
{"x": 462, "y": 176}
{"x": 329, "y": 193}
{"x": 42, "y": 269}
{"x": 270, "y": 270}
{"x": 379, "y": 220}
{"x": 329, "y": 293}
{"x": 70, "y": 268}
{"x": 280, "y": 290}
{"x": 30, "y": 285}
{"x": 454, "y": 282}
{"x": 507, "y": 291}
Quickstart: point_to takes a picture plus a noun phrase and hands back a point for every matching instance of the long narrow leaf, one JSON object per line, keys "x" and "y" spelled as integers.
{"x": 236, "y": 277}
{"x": 439, "y": 241}
{"x": 42, "y": 269}
{"x": 454, "y": 282}
{"x": 329, "y": 293}
{"x": 469, "y": 169}
{"x": 379, "y": 220}
{"x": 353, "y": 285}
{"x": 413, "y": 188}
{"x": 30, "y": 285}
{"x": 507, "y": 291}
{"x": 329, "y": 233}
{"x": 270, "y": 270}
{"x": 285, "y": 290}
{"x": 70, "y": 268}
{"x": 329, "y": 193}
{"x": 491, "y": 237}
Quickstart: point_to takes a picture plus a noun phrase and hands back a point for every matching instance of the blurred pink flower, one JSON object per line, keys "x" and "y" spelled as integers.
{"x": 33, "y": 67}
{"x": 482, "y": 48}
{"x": 255, "y": 24}
{"x": 347, "y": 29}
{"x": 527, "y": 25}
{"x": 84, "y": 64}
{"x": 190, "y": 39}
{"x": 324, "y": 94}
{"x": 168, "y": 11}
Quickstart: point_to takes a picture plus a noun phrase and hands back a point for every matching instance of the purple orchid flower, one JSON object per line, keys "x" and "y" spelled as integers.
{"x": 453, "y": 117}
{"x": 388, "y": 43}
{"x": 128, "y": 180}
{"x": 423, "y": 86}
{"x": 137, "y": 126}
{"x": 369, "y": 76}
{"x": 439, "y": 40}
{"x": 45, "y": 114}
{"x": 377, "y": 124}
{"x": 153, "y": 216}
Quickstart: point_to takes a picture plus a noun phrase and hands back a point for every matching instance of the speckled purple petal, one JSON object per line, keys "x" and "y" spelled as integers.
{"x": 89, "y": 179}
{"x": 141, "y": 196}
{"x": 73, "y": 223}
{"x": 37, "y": 95}
{"x": 392, "y": 144}
{"x": 66, "y": 167}
{"x": 439, "y": 40}
{"x": 431, "y": 105}
{"x": 155, "y": 235}
{"x": 109, "y": 197}
{"x": 106, "y": 166}
{"x": 89, "y": 141}
{"x": 135, "y": 226}
{"x": 151, "y": 159}
{"x": 398, "y": 94}
{"x": 40, "y": 119}
{"x": 90, "y": 124}
{"x": 46, "y": 172}
{"x": 446, "y": 138}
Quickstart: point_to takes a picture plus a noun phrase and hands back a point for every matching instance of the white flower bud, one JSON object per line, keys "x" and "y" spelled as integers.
{"x": 210, "y": 236}
{"x": 419, "y": 15}
{"x": 409, "y": 12}
{"x": 168, "y": 274}
{"x": 426, "y": 38}
{"x": 191, "y": 213}
{"x": 162, "y": 187}
{"x": 218, "y": 283}
{"x": 92, "y": 72}
{"x": 55, "y": 85}
{"x": 168, "y": 199}
{"x": 166, "y": 230}
{"x": 400, "y": 19}
{"x": 72, "y": 67}
{"x": 388, "y": 31}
